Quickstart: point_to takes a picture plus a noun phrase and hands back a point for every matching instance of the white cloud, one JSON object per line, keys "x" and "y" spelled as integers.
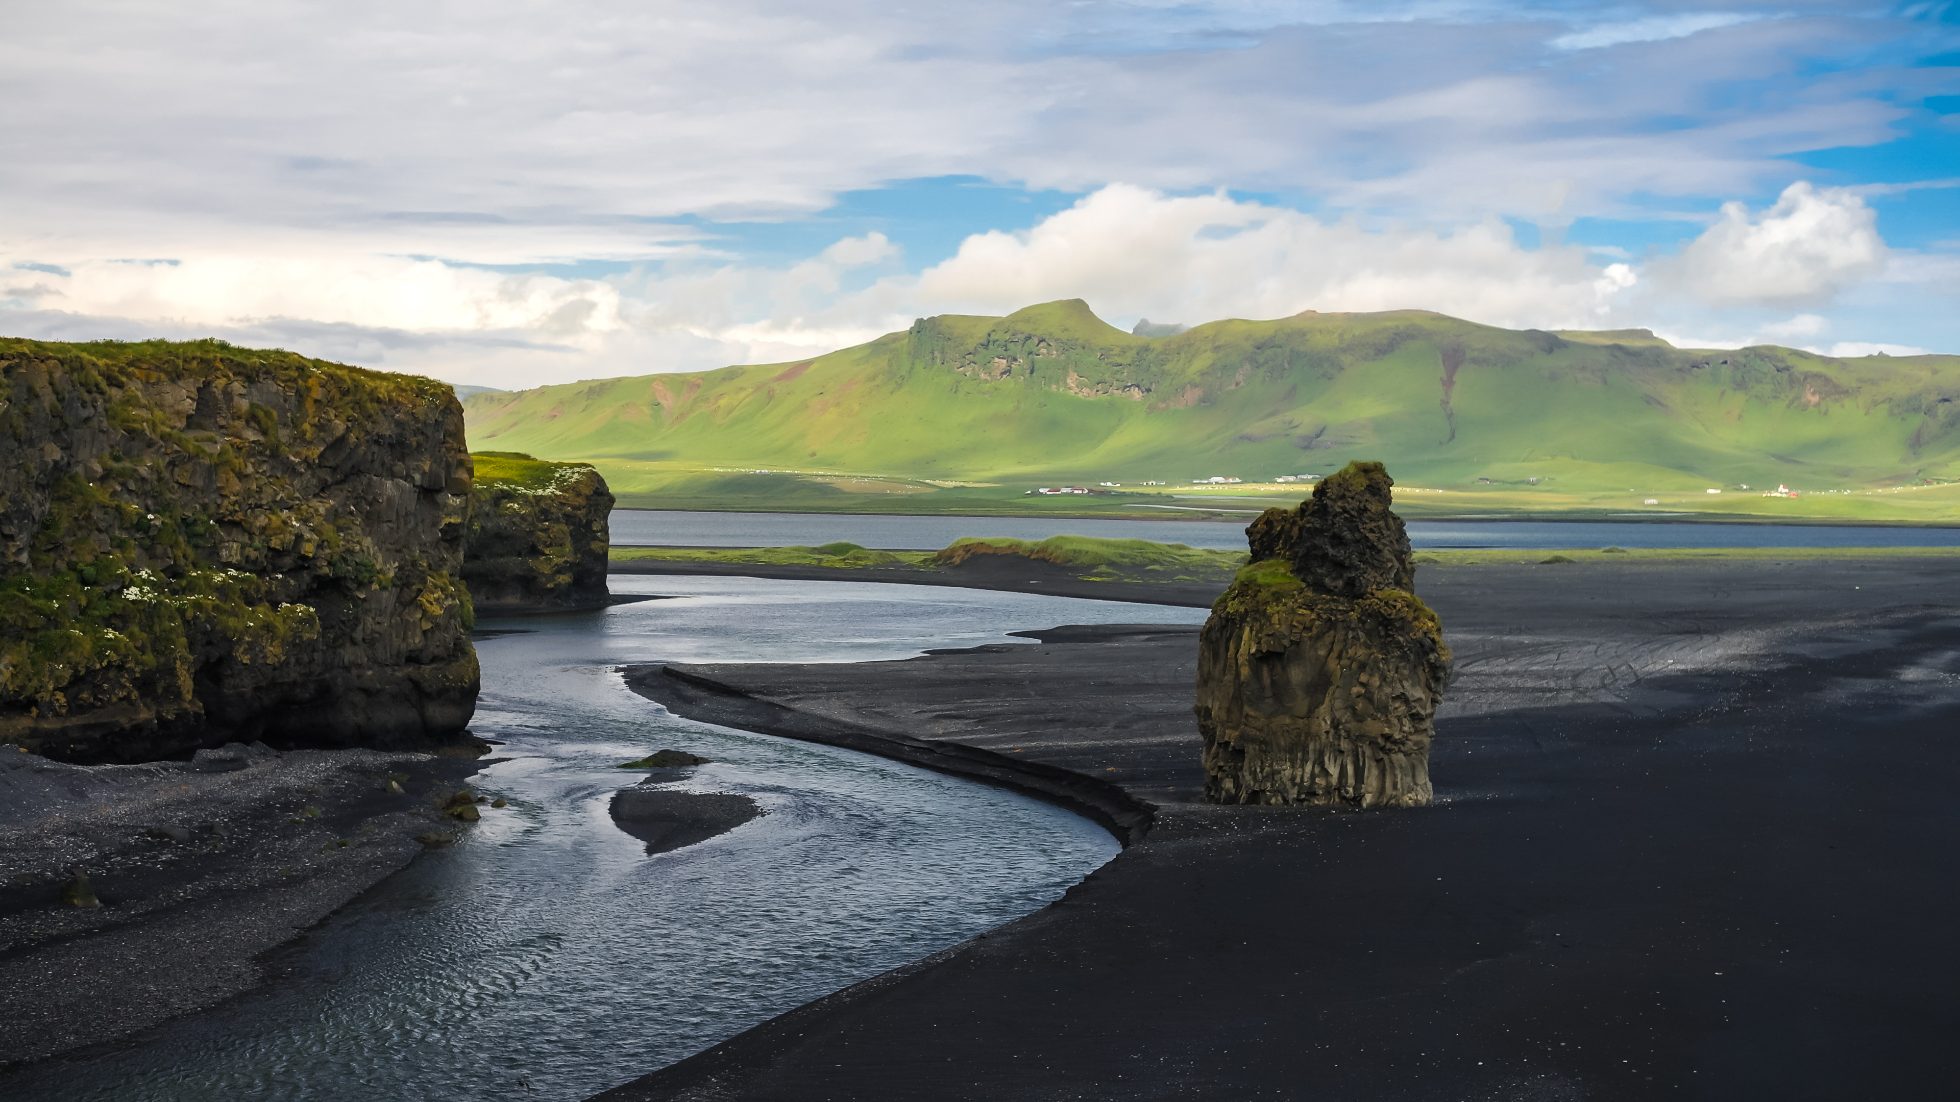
{"x": 512, "y": 132}
{"x": 1854, "y": 349}
{"x": 1130, "y": 251}
{"x": 1653, "y": 29}
{"x": 1804, "y": 331}
{"x": 858, "y": 252}
{"x": 340, "y": 177}
{"x": 1811, "y": 244}
{"x": 1135, "y": 252}
{"x": 380, "y": 292}
{"x": 1798, "y": 327}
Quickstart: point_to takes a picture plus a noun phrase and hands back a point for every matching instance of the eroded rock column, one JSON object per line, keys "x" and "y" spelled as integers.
{"x": 1320, "y": 670}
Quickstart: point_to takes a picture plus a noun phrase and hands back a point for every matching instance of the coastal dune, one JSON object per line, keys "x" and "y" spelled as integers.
{"x": 1690, "y": 837}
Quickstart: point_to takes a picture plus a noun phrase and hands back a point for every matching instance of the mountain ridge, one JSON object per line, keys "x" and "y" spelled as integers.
{"x": 1052, "y": 391}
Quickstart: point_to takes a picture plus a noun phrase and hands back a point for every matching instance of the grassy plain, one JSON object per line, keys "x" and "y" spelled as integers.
{"x": 1146, "y": 561}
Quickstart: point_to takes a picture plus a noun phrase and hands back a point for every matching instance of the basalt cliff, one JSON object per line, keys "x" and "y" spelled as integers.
{"x": 539, "y": 534}
{"x": 202, "y": 544}
{"x": 1320, "y": 670}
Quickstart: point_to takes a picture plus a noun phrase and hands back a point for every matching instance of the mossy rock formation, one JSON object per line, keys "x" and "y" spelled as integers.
{"x": 1320, "y": 670}
{"x": 539, "y": 534}
{"x": 202, "y": 544}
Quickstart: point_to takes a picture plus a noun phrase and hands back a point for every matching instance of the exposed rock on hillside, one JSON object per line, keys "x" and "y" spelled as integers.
{"x": 539, "y": 534}
{"x": 1320, "y": 670}
{"x": 202, "y": 544}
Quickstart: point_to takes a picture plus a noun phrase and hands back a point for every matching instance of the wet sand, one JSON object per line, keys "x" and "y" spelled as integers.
{"x": 1694, "y": 838}
{"x": 669, "y": 819}
{"x": 200, "y": 868}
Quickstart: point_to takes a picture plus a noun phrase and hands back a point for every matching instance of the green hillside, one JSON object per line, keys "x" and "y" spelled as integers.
{"x": 968, "y": 413}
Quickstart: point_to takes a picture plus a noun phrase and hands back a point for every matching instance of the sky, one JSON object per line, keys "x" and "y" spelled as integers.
{"x": 515, "y": 192}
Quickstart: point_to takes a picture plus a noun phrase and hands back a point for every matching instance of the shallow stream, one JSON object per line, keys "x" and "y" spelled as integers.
{"x": 545, "y": 956}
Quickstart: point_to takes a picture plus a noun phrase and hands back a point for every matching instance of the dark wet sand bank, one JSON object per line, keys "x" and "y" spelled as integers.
{"x": 1696, "y": 838}
{"x": 200, "y": 867}
{"x": 670, "y": 819}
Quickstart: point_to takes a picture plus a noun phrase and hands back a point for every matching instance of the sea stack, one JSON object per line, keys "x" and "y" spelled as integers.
{"x": 539, "y": 537}
{"x": 1320, "y": 670}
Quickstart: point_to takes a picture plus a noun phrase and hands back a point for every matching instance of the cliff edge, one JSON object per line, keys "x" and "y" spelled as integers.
{"x": 202, "y": 544}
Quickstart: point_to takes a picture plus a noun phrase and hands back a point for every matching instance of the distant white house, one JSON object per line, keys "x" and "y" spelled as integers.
{"x": 1651, "y": 501}
{"x": 1111, "y": 485}
{"x": 1713, "y": 490}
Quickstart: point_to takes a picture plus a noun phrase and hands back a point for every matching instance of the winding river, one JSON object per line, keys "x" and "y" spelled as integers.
{"x": 547, "y": 957}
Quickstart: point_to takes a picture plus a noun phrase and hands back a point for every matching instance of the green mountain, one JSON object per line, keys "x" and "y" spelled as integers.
{"x": 964, "y": 410}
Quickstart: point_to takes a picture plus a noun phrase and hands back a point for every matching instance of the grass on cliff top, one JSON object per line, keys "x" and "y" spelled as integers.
{"x": 1103, "y": 559}
{"x": 204, "y": 360}
{"x": 519, "y": 470}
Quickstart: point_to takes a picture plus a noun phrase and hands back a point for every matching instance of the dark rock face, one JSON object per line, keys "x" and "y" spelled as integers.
{"x": 539, "y": 534}
{"x": 202, "y": 544}
{"x": 1343, "y": 541}
{"x": 1319, "y": 670}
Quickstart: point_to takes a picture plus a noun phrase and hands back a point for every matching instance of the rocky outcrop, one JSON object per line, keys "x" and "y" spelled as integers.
{"x": 539, "y": 534}
{"x": 1320, "y": 670}
{"x": 202, "y": 544}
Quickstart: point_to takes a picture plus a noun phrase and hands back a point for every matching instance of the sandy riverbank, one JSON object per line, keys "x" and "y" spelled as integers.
{"x": 200, "y": 867}
{"x": 1694, "y": 838}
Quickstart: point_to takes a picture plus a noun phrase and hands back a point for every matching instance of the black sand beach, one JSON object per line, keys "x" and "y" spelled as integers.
{"x": 200, "y": 868}
{"x": 1694, "y": 838}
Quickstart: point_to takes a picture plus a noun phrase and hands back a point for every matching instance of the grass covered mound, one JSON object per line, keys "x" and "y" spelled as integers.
{"x": 834, "y": 556}
{"x": 1101, "y": 559}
